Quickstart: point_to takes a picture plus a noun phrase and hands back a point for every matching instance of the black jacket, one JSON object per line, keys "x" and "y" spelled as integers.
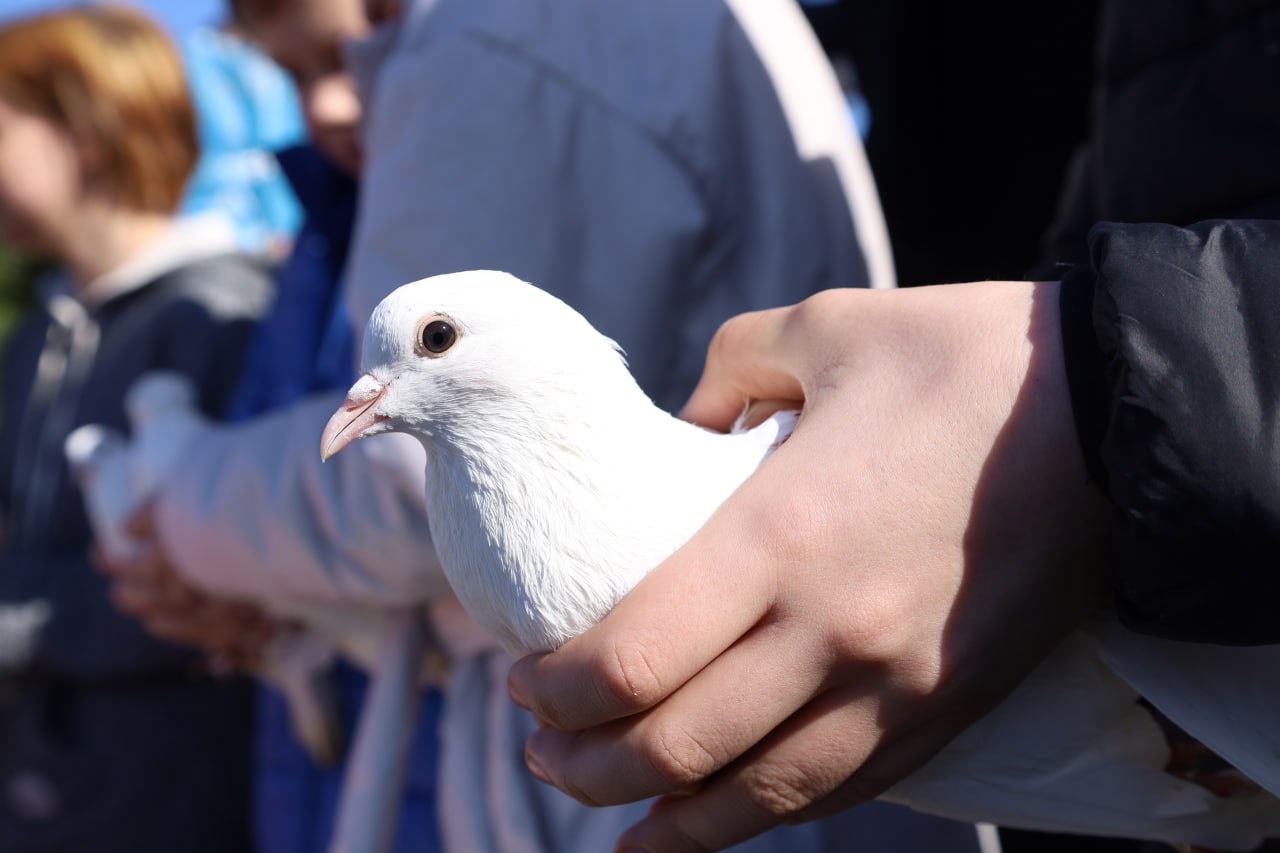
{"x": 1173, "y": 334}
{"x": 1173, "y": 352}
{"x": 1185, "y": 125}
{"x": 110, "y": 739}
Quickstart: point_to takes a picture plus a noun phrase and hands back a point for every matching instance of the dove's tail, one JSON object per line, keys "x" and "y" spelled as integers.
{"x": 1226, "y": 697}
{"x": 297, "y": 664}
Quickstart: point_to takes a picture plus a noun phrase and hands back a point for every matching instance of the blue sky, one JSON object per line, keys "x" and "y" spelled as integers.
{"x": 178, "y": 15}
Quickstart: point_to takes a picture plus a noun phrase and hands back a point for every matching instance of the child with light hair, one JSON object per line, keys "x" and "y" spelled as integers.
{"x": 110, "y": 740}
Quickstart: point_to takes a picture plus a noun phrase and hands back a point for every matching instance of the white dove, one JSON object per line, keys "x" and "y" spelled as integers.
{"x": 117, "y": 477}
{"x": 554, "y": 485}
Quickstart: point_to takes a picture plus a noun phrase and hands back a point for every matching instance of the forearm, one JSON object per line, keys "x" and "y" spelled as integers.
{"x": 254, "y": 514}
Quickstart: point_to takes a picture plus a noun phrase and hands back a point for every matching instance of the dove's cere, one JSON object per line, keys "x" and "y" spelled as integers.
{"x": 553, "y": 483}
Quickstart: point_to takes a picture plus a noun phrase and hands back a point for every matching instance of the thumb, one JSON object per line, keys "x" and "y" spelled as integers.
{"x": 746, "y": 360}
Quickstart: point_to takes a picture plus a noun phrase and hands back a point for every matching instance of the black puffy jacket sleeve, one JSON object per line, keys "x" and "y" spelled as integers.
{"x": 1172, "y": 339}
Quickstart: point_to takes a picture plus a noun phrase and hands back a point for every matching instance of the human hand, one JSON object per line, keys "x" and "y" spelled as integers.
{"x": 924, "y": 537}
{"x": 149, "y": 588}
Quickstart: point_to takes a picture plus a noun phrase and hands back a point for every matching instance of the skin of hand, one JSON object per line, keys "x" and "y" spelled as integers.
{"x": 149, "y": 588}
{"x": 921, "y": 541}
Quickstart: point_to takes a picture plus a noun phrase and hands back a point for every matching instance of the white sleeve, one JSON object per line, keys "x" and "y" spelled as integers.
{"x": 254, "y": 513}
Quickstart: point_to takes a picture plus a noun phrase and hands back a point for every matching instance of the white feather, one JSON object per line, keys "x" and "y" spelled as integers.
{"x": 1227, "y": 697}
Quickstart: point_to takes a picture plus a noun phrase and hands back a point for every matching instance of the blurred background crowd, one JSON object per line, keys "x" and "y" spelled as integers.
{"x": 969, "y": 116}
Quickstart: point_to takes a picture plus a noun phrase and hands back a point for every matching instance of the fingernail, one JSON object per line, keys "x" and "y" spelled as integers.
{"x": 534, "y": 764}
{"x": 514, "y": 692}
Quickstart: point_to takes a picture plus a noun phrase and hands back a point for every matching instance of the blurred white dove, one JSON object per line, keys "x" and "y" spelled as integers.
{"x": 554, "y": 485}
{"x": 117, "y": 477}
{"x": 388, "y": 642}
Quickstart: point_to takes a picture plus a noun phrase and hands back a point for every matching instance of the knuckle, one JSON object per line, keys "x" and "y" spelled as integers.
{"x": 821, "y": 322}
{"x": 814, "y": 313}
{"x": 736, "y": 334}
{"x": 885, "y": 629}
{"x": 863, "y": 636}
{"x": 626, "y": 678}
{"x": 920, "y": 680}
{"x": 679, "y": 758}
{"x": 729, "y": 332}
{"x": 778, "y": 793}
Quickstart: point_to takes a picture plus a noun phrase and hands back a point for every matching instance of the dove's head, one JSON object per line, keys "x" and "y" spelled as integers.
{"x": 457, "y": 356}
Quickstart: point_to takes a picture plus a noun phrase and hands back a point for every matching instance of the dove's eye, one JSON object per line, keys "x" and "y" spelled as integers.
{"x": 438, "y": 336}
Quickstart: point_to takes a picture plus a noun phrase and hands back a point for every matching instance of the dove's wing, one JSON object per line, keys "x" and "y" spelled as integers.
{"x": 1071, "y": 750}
{"x": 1227, "y": 697}
{"x": 162, "y": 412}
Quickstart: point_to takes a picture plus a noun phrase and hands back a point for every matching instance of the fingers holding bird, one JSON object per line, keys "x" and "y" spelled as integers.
{"x": 833, "y": 625}
{"x": 148, "y": 587}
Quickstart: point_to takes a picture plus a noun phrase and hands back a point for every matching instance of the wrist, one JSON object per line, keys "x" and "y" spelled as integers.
{"x": 1085, "y": 369}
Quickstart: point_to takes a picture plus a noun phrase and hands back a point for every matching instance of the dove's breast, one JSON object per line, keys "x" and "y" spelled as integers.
{"x": 540, "y": 544}
{"x": 539, "y": 560}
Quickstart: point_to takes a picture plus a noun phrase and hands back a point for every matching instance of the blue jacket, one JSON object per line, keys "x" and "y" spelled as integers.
{"x": 305, "y": 345}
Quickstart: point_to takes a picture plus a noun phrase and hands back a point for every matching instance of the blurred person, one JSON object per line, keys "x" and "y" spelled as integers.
{"x": 109, "y": 739}
{"x": 246, "y": 110}
{"x": 655, "y": 164}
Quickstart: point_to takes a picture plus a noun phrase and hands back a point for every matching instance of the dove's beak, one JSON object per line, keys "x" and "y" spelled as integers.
{"x": 355, "y": 419}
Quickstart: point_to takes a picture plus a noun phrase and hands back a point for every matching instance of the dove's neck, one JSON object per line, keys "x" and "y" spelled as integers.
{"x": 544, "y": 516}
{"x": 569, "y": 448}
